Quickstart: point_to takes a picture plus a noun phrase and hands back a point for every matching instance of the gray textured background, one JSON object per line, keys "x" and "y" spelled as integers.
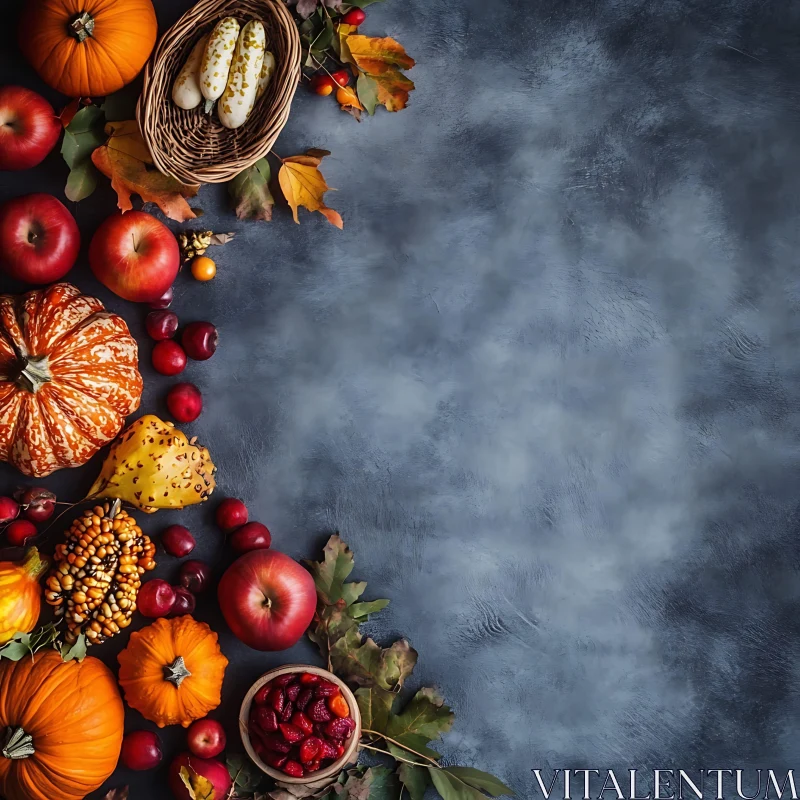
{"x": 544, "y": 382}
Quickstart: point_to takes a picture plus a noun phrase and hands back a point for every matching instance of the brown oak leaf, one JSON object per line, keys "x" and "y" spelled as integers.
{"x": 126, "y": 161}
{"x": 302, "y": 184}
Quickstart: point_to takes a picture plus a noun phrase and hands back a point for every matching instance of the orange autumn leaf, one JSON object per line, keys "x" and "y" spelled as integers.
{"x": 381, "y": 60}
{"x": 126, "y": 161}
{"x": 302, "y": 184}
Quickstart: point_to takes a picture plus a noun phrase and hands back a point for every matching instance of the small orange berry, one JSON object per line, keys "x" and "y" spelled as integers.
{"x": 347, "y": 97}
{"x": 203, "y": 268}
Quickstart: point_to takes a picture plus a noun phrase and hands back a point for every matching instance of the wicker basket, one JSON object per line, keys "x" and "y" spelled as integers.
{"x": 193, "y": 146}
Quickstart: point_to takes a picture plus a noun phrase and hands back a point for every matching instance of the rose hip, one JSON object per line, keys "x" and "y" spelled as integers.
{"x": 309, "y": 677}
{"x": 168, "y": 358}
{"x": 156, "y": 598}
{"x": 293, "y": 769}
{"x": 282, "y": 680}
{"x": 231, "y": 513}
{"x": 293, "y": 691}
{"x": 277, "y": 699}
{"x": 9, "y": 509}
{"x": 310, "y": 749}
{"x": 275, "y": 760}
{"x": 262, "y": 695}
{"x": 304, "y": 698}
{"x": 300, "y": 720}
{"x": 161, "y": 325}
{"x": 354, "y": 17}
{"x": 184, "y": 602}
{"x": 195, "y": 575}
{"x": 326, "y": 689}
{"x": 19, "y": 531}
{"x": 177, "y": 541}
{"x": 339, "y": 728}
{"x": 266, "y": 719}
{"x": 287, "y": 712}
{"x": 318, "y": 711}
{"x": 184, "y": 400}
{"x": 199, "y": 340}
{"x": 328, "y": 750}
{"x": 276, "y": 743}
{"x": 291, "y": 733}
{"x": 37, "y": 504}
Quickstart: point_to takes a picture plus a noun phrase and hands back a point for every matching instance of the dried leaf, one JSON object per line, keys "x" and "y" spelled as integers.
{"x": 116, "y": 794}
{"x": 305, "y": 8}
{"x": 301, "y": 791}
{"x": 221, "y": 238}
{"x": 375, "y": 706}
{"x": 199, "y": 788}
{"x": 373, "y": 783}
{"x": 126, "y": 160}
{"x": 302, "y": 184}
{"x": 250, "y": 193}
{"x": 382, "y": 60}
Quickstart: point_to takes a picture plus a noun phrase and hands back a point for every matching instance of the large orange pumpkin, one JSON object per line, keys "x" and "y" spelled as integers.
{"x": 60, "y": 727}
{"x": 68, "y": 378}
{"x": 172, "y": 671}
{"x": 87, "y": 48}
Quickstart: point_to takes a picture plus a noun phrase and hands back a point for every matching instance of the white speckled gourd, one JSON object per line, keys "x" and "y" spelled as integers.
{"x": 186, "y": 92}
{"x": 217, "y": 59}
{"x": 245, "y": 73}
{"x": 267, "y": 71}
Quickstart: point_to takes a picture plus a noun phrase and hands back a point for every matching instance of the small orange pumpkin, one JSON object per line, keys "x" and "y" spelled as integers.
{"x": 172, "y": 671}
{"x": 20, "y": 594}
{"x": 60, "y": 727}
{"x": 68, "y": 378}
{"x": 87, "y": 48}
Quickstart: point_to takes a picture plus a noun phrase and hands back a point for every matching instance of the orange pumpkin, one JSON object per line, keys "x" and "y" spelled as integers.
{"x": 172, "y": 671}
{"x": 87, "y": 48}
{"x": 68, "y": 378}
{"x": 60, "y": 727}
{"x": 20, "y": 594}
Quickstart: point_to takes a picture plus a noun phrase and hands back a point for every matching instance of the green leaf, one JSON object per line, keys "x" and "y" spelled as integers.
{"x": 24, "y": 644}
{"x": 87, "y": 120}
{"x": 362, "y": 3}
{"x": 375, "y": 706}
{"x": 361, "y": 611}
{"x": 121, "y": 105}
{"x": 75, "y": 652}
{"x": 244, "y": 773}
{"x": 367, "y": 90}
{"x": 481, "y": 780}
{"x": 81, "y": 182}
{"x": 14, "y": 650}
{"x": 250, "y": 193}
{"x": 415, "y": 779}
{"x": 325, "y": 37}
{"x": 331, "y": 573}
{"x": 424, "y": 719}
{"x": 451, "y": 788}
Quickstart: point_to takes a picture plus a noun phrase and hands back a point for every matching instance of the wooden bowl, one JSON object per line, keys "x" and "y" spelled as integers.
{"x": 193, "y": 146}
{"x": 330, "y": 771}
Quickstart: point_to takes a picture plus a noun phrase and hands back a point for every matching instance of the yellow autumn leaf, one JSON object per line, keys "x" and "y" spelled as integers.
{"x": 200, "y": 788}
{"x": 381, "y": 60}
{"x": 302, "y": 184}
{"x": 125, "y": 159}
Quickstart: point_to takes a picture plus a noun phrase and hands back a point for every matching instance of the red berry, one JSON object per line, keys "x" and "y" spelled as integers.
{"x": 37, "y": 504}
{"x": 310, "y": 748}
{"x": 354, "y": 17}
{"x": 195, "y": 575}
{"x": 275, "y": 760}
{"x": 293, "y": 691}
{"x": 252, "y": 536}
{"x": 178, "y": 541}
{"x": 314, "y": 765}
{"x": 309, "y": 677}
{"x": 276, "y": 743}
{"x": 287, "y": 712}
{"x": 304, "y": 698}
{"x": 161, "y": 324}
{"x": 156, "y": 598}
{"x": 326, "y": 689}
{"x": 291, "y": 733}
{"x": 322, "y": 85}
{"x": 199, "y": 340}
{"x": 9, "y": 509}
{"x": 231, "y": 513}
{"x": 300, "y": 720}
{"x": 165, "y": 301}
{"x": 184, "y": 400}
{"x": 293, "y": 769}
{"x": 283, "y": 680}
{"x": 266, "y": 719}
{"x": 277, "y": 699}
{"x": 328, "y": 750}
{"x": 342, "y": 77}
{"x": 19, "y": 531}
{"x": 184, "y": 602}
{"x": 318, "y": 711}
{"x": 168, "y": 358}
{"x": 339, "y": 750}
{"x": 141, "y": 750}
{"x": 339, "y": 728}
{"x": 262, "y": 695}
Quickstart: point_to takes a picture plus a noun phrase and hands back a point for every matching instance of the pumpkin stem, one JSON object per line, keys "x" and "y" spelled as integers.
{"x": 35, "y": 564}
{"x": 82, "y": 27}
{"x": 17, "y": 744}
{"x": 176, "y": 672}
{"x": 34, "y": 373}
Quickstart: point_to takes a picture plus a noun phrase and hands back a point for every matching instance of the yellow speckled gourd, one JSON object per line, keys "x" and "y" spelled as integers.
{"x": 20, "y": 594}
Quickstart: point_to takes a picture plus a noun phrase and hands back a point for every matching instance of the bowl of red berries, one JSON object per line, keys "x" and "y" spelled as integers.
{"x": 300, "y": 724}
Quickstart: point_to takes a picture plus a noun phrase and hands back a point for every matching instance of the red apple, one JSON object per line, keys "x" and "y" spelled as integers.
{"x": 29, "y": 128}
{"x": 141, "y": 750}
{"x": 206, "y": 738}
{"x": 267, "y": 599}
{"x": 214, "y": 771}
{"x": 39, "y": 239}
{"x": 135, "y": 256}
